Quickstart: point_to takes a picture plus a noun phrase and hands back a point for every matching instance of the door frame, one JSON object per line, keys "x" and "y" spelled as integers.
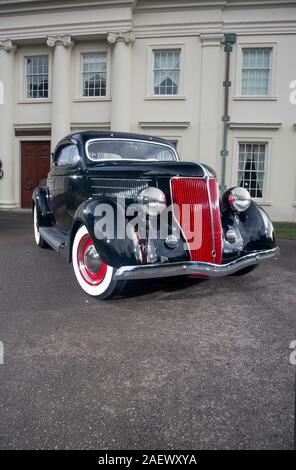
{"x": 18, "y": 175}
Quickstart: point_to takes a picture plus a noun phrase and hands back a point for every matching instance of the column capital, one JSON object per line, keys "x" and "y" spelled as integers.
{"x": 121, "y": 36}
{"x": 8, "y": 45}
{"x": 60, "y": 40}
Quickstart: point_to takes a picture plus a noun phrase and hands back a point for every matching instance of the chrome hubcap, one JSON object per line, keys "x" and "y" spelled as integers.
{"x": 92, "y": 260}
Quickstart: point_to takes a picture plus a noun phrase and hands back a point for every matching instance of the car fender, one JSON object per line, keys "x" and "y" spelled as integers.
{"x": 253, "y": 229}
{"x": 40, "y": 200}
{"x": 114, "y": 250}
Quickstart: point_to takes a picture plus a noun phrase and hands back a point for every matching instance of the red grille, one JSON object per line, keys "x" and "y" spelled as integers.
{"x": 195, "y": 218}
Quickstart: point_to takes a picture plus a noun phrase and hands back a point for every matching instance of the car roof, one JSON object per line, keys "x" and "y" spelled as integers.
{"x": 87, "y": 135}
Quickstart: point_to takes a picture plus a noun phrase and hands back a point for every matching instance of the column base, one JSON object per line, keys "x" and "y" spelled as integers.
{"x": 5, "y": 205}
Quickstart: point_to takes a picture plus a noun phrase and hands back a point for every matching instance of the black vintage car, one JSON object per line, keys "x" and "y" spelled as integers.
{"x": 122, "y": 207}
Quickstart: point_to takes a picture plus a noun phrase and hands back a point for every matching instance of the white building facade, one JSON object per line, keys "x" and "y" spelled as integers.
{"x": 155, "y": 67}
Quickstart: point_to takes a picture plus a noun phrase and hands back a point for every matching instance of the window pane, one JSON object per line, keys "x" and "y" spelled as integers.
{"x": 256, "y": 71}
{"x": 251, "y": 168}
{"x": 128, "y": 150}
{"x": 94, "y": 67}
{"x": 166, "y": 72}
{"x": 37, "y": 77}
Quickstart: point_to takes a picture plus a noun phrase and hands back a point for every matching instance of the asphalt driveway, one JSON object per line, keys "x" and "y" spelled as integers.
{"x": 173, "y": 364}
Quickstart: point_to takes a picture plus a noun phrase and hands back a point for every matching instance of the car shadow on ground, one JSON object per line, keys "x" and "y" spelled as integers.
{"x": 143, "y": 287}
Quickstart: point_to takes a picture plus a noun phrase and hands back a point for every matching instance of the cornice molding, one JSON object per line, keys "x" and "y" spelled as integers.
{"x": 211, "y": 39}
{"x": 164, "y": 124}
{"x": 128, "y": 37}
{"x": 7, "y": 45}
{"x": 60, "y": 40}
{"x": 90, "y": 125}
{"x": 147, "y": 6}
{"x": 32, "y": 125}
{"x": 43, "y": 6}
{"x": 255, "y": 125}
{"x": 90, "y": 28}
{"x": 99, "y": 29}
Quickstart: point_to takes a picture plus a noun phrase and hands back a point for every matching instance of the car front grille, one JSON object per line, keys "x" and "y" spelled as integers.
{"x": 198, "y": 200}
{"x": 128, "y": 188}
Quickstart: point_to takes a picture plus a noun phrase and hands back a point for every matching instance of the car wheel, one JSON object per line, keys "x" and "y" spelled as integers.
{"x": 94, "y": 276}
{"x": 38, "y": 239}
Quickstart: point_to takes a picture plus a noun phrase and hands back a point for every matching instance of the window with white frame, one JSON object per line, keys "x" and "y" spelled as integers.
{"x": 256, "y": 71}
{"x": 166, "y": 71}
{"x": 94, "y": 74}
{"x": 252, "y": 167}
{"x": 36, "y": 82}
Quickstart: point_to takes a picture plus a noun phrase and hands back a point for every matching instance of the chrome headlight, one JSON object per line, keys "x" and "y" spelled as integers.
{"x": 153, "y": 200}
{"x": 239, "y": 199}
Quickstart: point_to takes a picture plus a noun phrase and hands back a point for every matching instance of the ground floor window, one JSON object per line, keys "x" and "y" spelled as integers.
{"x": 252, "y": 167}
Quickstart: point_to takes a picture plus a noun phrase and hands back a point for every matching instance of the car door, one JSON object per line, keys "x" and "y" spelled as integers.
{"x": 64, "y": 184}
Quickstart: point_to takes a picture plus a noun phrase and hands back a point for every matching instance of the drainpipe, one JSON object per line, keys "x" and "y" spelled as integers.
{"x": 229, "y": 40}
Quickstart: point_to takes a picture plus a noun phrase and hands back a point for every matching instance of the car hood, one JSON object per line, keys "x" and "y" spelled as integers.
{"x": 136, "y": 169}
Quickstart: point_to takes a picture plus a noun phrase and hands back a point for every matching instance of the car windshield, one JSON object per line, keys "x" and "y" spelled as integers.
{"x": 104, "y": 149}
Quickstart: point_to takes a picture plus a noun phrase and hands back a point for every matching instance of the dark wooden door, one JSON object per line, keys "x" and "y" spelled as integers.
{"x": 35, "y": 165}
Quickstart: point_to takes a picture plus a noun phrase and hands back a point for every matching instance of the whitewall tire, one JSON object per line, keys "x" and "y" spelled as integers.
{"x": 94, "y": 276}
{"x": 38, "y": 239}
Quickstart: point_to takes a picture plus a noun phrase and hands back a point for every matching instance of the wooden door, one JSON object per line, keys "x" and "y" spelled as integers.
{"x": 35, "y": 163}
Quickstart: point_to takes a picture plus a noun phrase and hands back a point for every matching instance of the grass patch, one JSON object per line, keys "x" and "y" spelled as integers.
{"x": 285, "y": 229}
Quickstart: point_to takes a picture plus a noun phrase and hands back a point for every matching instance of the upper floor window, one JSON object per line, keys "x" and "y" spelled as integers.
{"x": 36, "y": 77}
{"x": 252, "y": 167}
{"x": 94, "y": 74}
{"x": 256, "y": 72}
{"x": 166, "y": 71}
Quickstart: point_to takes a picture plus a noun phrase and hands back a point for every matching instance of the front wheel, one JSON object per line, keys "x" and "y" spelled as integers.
{"x": 94, "y": 276}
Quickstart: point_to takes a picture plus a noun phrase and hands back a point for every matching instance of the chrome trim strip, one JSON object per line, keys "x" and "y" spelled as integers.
{"x": 150, "y": 271}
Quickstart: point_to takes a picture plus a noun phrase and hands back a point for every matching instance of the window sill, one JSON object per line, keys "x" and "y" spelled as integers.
{"x": 165, "y": 97}
{"x": 262, "y": 202}
{"x": 255, "y": 98}
{"x": 90, "y": 99}
{"x": 36, "y": 100}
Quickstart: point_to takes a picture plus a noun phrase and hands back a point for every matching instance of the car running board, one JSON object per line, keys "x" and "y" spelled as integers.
{"x": 54, "y": 237}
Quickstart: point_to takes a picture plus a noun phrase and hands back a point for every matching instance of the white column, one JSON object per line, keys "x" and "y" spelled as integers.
{"x": 210, "y": 100}
{"x": 121, "y": 80}
{"x": 61, "y": 86}
{"x": 7, "y": 183}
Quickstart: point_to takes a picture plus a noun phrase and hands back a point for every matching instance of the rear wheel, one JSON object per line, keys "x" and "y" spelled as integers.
{"x": 94, "y": 276}
{"x": 38, "y": 239}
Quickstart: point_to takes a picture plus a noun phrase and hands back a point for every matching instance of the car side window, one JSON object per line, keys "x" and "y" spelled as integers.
{"x": 67, "y": 156}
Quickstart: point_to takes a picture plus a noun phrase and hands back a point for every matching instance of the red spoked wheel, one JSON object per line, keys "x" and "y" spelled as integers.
{"x": 91, "y": 267}
{"x": 93, "y": 274}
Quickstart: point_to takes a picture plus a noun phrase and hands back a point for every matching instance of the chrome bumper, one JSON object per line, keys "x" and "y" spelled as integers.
{"x": 149, "y": 271}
